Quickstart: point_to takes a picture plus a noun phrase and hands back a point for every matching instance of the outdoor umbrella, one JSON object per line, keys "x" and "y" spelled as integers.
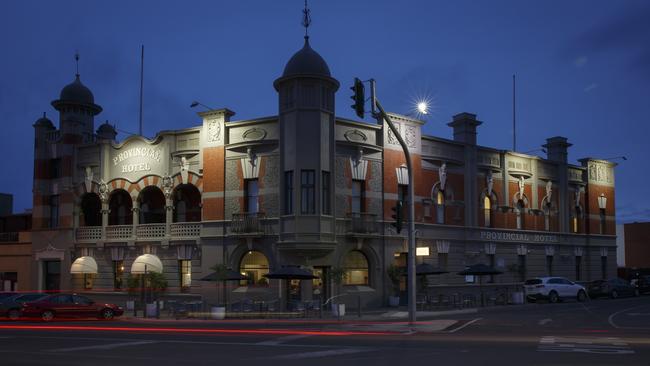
{"x": 479, "y": 270}
{"x": 425, "y": 269}
{"x": 227, "y": 275}
{"x": 290, "y": 272}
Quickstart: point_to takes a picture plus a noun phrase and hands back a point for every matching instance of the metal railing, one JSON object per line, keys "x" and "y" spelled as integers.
{"x": 247, "y": 223}
{"x": 362, "y": 223}
{"x": 9, "y": 237}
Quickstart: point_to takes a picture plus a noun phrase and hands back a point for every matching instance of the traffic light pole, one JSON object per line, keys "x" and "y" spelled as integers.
{"x": 411, "y": 210}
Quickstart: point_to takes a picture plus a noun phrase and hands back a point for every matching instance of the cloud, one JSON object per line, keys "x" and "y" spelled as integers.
{"x": 590, "y": 87}
{"x": 580, "y": 61}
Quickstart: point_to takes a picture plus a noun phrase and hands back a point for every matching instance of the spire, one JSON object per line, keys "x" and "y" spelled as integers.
{"x": 76, "y": 58}
{"x": 306, "y": 19}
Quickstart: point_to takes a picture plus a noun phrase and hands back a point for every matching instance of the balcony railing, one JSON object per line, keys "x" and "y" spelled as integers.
{"x": 150, "y": 231}
{"x": 363, "y": 223}
{"x": 186, "y": 229}
{"x": 119, "y": 232}
{"x": 9, "y": 237}
{"x": 89, "y": 233}
{"x": 247, "y": 223}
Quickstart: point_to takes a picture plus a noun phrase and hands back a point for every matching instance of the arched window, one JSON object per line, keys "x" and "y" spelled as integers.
{"x": 356, "y": 268}
{"x": 440, "y": 207}
{"x": 520, "y": 214}
{"x": 254, "y": 265}
{"x": 120, "y": 206}
{"x": 487, "y": 211}
{"x": 575, "y": 220}
{"x": 187, "y": 204}
{"x": 152, "y": 205}
{"x": 91, "y": 208}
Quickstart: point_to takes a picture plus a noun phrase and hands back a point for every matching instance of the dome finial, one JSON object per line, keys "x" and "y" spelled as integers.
{"x": 306, "y": 19}
{"x": 76, "y": 58}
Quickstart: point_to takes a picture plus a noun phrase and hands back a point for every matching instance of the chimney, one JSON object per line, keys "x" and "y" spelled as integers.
{"x": 557, "y": 149}
{"x": 464, "y": 125}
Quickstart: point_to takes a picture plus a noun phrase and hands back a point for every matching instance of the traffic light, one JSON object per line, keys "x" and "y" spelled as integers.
{"x": 358, "y": 97}
{"x": 397, "y": 216}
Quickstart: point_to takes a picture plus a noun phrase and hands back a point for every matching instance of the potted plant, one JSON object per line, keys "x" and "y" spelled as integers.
{"x": 394, "y": 275}
{"x": 221, "y": 275}
{"x": 337, "y": 275}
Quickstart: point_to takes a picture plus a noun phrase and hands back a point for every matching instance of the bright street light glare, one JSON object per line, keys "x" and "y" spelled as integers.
{"x": 423, "y": 108}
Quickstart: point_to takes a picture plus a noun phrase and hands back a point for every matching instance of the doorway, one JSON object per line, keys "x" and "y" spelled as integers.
{"x": 52, "y": 275}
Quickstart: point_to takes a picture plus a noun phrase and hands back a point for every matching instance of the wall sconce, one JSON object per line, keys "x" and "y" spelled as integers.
{"x": 602, "y": 201}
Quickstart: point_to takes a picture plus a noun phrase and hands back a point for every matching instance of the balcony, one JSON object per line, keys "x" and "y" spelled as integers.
{"x": 9, "y": 237}
{"x": 362, "y": 223}
{"x": 248, "y": 223}
{"x": 150, "y": 231}
{"x": 119, "y": 232}
{"x": 89, "y": 233}
{"x": 186, "y": 230}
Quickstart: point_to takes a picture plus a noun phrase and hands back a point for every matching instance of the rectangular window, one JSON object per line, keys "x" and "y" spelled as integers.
{"x": 603, "y": 267}
{"x": 602, "y": 221}
{"x": 578, "y": 262}
{"x": 185, "y": 268}
{"x": 55, "y": 168}
{"x": 426, "y": 207}
{"x": 252, "y": 196}
{"x": 442, "y": 260}
{"x": 288, "y": 192}
{"x": 307, "y": 192}
{"x": 549, "y": 265}
{"x": 54, "y": 211}
{"x": 327, "y": 198}
{"x": 522, "y": 267}
{"x": 118, "y": 274}
{"x": 358, "y": 188}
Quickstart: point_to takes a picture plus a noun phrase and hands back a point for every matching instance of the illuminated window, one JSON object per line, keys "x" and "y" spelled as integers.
{"x": 356, "y": 268}
{"x": 185, "y": 272}
{"x": 118, "y": 274}
{"x": 440, "y": 207}
{"x": 487, "y": 211}
{"x": 254, "y": 266}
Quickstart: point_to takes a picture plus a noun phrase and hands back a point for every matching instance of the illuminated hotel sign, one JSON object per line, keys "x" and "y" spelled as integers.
{"x": 519, "y": 237}
{"x": 136, "y": 153}
{"x": 138, "y": 158}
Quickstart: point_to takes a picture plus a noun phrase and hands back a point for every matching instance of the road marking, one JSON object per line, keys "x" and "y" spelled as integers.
{"x": 544, "y": 321}
{"x": 605, "y": 346}
{"x": 319, "y": 354}
{"x": 100, "y": 346}
{"x": 281, "y": 340}
{"x": 464, "y": 325}
{"x": 610, "y": 319}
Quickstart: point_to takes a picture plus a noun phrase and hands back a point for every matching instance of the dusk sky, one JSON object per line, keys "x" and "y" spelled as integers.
{"x": 583, "y": 69}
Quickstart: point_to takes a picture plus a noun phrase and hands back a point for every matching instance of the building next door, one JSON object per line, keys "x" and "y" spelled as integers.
{"x": 52, "y": 275}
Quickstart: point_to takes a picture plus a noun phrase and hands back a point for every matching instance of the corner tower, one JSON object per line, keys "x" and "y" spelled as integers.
{"x": 306, "y": 92}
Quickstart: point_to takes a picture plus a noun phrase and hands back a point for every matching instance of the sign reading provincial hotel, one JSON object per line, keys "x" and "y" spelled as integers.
{"x": 137, "y": 158}
{"x": 518, "y": 237}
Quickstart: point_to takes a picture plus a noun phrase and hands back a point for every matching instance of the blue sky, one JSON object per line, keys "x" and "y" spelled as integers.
{"x": 583, "y": 68}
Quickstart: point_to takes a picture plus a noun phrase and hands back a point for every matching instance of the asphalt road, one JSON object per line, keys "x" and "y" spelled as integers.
{"x": 598, "y": 332}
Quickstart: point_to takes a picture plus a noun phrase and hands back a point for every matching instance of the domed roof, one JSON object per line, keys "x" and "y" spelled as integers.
{"x": 306, "y": 62}
{"x": 77, "y": 92}
{"x": 44, "y": 122}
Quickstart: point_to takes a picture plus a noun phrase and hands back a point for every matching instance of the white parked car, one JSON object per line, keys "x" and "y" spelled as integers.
{"x": 553, "y": 289}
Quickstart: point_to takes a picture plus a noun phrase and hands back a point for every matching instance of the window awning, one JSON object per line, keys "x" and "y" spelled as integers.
{"x": 146, "y": 263}
{"x": 84, "y": 265}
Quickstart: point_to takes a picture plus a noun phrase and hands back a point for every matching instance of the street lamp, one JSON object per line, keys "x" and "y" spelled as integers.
{"x": 423, "y": 107}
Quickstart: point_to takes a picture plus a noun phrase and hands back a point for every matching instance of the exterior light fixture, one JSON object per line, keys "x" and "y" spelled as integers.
{"x": 423, "y": 107}
{"x": 602, "y": 201}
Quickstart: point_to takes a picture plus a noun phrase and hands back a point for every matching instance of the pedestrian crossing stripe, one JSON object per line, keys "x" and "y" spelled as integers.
{"x": 602, "y": 345}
